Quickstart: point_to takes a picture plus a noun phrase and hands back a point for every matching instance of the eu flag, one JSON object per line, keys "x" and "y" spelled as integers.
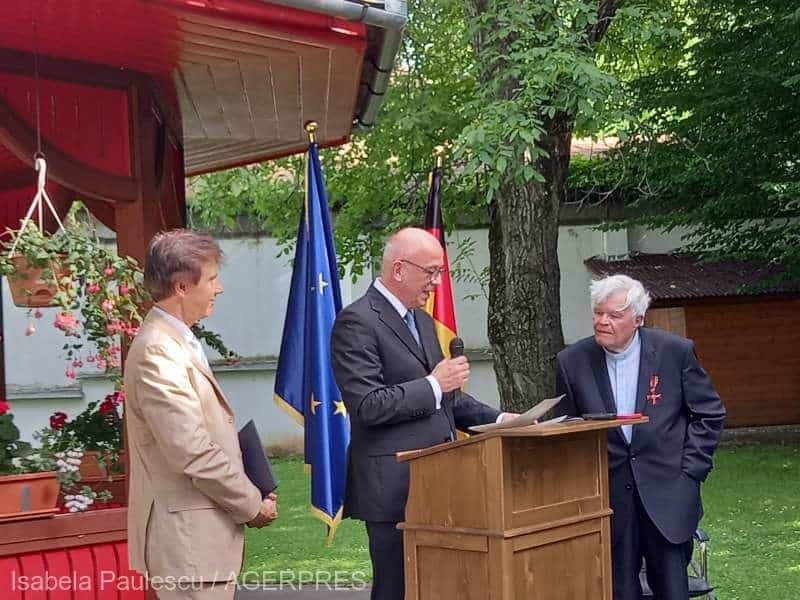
{"x": 304, "y": 383}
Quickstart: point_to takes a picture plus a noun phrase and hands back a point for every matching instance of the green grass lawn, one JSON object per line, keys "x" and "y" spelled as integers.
{"x": 752, "y": 501}
{"x": 297, "y": 541}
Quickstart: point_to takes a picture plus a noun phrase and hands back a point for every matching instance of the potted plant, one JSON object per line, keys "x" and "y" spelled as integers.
{"x": 96, "y": 431}
{"x": 35, "y": 266}
{"x": 76, "y": 497}
{"x": 92, "y": 443}
{"x": 29, "y": 482}
{"x": 99, "y": 295}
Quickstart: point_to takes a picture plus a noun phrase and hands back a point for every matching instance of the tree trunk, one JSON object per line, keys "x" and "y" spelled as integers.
{"x": 525, "y": 279}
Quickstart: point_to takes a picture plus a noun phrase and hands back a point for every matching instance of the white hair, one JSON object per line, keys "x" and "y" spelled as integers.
{"x": 638, "y": 298}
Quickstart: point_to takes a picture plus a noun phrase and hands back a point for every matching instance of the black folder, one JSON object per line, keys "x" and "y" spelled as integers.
{"x": 256, "y": 463}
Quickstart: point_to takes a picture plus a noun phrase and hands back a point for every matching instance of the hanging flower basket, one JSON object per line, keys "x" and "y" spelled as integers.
{"x": 28, "y": 495}
{"x": 36, "y": 263}
{"x": 32, "y": 286}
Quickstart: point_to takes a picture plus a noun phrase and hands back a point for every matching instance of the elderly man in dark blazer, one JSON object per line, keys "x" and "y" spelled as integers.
{"x": 400, "y": 393}
{"x": 655, "y": 469}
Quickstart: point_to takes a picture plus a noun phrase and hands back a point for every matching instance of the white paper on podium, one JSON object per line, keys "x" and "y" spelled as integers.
{"x": 529, "y": 417}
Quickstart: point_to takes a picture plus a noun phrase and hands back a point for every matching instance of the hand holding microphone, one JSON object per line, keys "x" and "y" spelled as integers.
{"x": 453, "y": 373}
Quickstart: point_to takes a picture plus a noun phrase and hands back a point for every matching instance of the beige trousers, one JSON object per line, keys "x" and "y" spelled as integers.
{"x": 222, "y": 590}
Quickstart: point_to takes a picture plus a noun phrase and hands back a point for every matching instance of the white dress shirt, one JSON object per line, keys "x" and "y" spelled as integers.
{"x": 402, "y": 310}
{"x": 623, "y": 372}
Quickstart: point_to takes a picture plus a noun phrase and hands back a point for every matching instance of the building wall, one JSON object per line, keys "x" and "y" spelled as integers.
{"x": 750, "y": 351}
{"x": 249, "y": 316}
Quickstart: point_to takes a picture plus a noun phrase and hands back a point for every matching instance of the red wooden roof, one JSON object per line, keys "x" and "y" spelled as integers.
{"x": 244, "y": 74}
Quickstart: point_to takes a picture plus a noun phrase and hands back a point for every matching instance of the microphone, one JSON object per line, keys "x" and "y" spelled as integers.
{"x": 456, "y": 350}
{"x": 456, "y": 347}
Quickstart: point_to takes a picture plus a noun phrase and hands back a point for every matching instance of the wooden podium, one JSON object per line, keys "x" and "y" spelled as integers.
{"x": 512, "y": 514}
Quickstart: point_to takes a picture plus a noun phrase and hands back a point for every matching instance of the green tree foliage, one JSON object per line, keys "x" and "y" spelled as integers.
{"x": 502, "y": 84}
{"x": 714, "y": 146}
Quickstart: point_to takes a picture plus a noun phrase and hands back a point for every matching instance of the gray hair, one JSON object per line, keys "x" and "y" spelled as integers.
{"x": 176, "y": 254}
{"x": 638, "y": 298}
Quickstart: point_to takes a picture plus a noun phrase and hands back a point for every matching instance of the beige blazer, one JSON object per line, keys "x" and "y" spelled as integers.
{"x": 189, "y": 495}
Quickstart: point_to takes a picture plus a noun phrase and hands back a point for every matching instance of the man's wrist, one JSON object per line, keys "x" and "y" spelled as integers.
{"x": 437, "y": 390}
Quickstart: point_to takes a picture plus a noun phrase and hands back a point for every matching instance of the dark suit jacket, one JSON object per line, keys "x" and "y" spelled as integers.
{"x": 667, "y": 457}
{"x": 381, "y": 373}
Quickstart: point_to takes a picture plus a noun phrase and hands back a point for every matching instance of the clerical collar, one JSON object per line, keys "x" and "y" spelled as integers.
{"x": 632, "y": 348}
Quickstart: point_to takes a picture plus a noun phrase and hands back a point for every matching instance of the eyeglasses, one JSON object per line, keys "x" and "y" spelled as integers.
{"x": 431, "y": 272}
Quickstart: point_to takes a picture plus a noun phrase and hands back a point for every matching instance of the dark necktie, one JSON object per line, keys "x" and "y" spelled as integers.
{"x": 412, "y": 326}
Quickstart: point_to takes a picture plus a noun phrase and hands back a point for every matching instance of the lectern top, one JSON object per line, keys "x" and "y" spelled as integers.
{"x": 538, "y": 430}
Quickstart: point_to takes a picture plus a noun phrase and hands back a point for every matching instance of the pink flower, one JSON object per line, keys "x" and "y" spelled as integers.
{"x": 90, "y": 358}
{"x": 123, "y": 290}
{"x": 92, "y": 288}
{"x": 37, "y": 314}
{"x": 108, "y": 305}
{"x": 106, "y": 407}
{"x": 70, "y": 373}
{"x": 101, "y": 364}
{"x": 132, "y": 331}
{"x": 117, "y": 397}
{"x": 113, "y": 361}
{"x": 77, "y": 363}
{"x": 108, "y": 271}
{"x": 4, "y": 407}
{"x": 57, "y": 420}
{"x": 115, "y": 326}
{"x": 67, "y": 323}
{"x": 30, "y": 330}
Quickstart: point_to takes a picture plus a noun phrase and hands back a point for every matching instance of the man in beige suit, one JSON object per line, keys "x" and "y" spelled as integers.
{"x": 189, "y": 495}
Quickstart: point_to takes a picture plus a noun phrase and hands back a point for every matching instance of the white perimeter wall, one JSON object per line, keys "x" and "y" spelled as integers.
{"x": 249, "y": 316}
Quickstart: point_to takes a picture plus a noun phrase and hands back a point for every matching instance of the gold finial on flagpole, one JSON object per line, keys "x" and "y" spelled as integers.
{"x": 438, "y": 155}
{"x": 311, "y": 129}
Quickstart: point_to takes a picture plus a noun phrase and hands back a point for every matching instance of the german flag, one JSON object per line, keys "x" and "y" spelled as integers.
{"x": 440, "y": 303}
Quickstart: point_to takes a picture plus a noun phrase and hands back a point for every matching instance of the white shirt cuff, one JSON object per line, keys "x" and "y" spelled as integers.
{"x": 437, "y": 390}
{"x": 500, "y": 417}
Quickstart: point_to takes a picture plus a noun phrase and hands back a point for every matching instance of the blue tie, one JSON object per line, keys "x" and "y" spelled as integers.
{"x": 412, "y": 326}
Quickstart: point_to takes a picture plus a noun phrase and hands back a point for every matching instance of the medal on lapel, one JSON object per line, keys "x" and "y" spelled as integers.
{"x": 653, "y": 396}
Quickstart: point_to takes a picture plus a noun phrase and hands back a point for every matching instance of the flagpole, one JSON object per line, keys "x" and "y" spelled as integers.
{"x": 438, "y": 162}
{"x": 438, "y": 157}
{"x": 304, "y": 380}
{"x": 311, "y": 130}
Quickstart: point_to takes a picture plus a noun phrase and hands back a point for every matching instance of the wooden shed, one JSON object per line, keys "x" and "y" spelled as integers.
{"x": 744, "y": 322}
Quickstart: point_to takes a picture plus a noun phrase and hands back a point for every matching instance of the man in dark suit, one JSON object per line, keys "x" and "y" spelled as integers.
{"x": 655, "y": 469}
{"x": 400, "y": 393}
